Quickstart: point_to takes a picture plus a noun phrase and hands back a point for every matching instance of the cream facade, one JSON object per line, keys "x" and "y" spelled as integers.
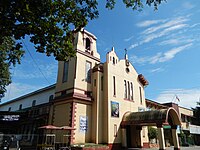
{"x": 103, "y": 102}
{"x": 93, "y": 97}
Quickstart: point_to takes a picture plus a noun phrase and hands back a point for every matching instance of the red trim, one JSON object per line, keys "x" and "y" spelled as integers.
{"x": 143, "y": 80}
{"x": 115, "y": 146}
{"x": 98, "y": 68}
{"x": 146, "y": 145}
{"x": 72, "y": 89}
{"x": 70, "y": 97}
{"x": 73, "y": 121}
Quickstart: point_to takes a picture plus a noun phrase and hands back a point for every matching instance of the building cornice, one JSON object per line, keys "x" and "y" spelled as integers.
{"x": 88, "y": 55}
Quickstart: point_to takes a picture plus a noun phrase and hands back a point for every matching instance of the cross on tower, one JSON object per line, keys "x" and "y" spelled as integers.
{"x": 125, "y": 51}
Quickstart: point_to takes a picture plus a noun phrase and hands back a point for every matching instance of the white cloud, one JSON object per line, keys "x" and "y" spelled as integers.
{"x": 150, "y": 22}
{"x": 151, "y": 33}
{"x": 187, "y": 97}
{"x": 171, "y": 53}
{"x": 128, "y": 39}
{"x": 175, "y": 41}
{"x": 15, "y": 90}
{"x": 171, "y": 23}
{"x": 159, "y": 57}
{"x": 150, "y": 37}
{"x": 194, "y": 25}
{"x": 157, "y": 70}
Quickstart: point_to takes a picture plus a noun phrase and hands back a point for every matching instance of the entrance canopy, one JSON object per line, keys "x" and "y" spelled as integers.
{"x": 152, "y": 118}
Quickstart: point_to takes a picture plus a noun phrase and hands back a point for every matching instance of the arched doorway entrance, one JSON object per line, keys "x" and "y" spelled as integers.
{"x": 133, "y": 122}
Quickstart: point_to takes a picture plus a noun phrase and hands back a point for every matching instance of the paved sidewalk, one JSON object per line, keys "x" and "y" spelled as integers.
{"x": 169, "y": 148}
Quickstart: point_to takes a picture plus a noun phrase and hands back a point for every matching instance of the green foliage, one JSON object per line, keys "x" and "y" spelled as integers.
{"x": 196, "y": 111}
{"x": 9, "y": 56}
{"x": 152, "y": 133}
{"x": 50, "y": 24}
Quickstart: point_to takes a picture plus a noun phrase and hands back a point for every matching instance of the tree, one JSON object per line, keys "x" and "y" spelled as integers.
{"x": 152, "y": 133}
{"x": 196, "y": 111}
{"x": 50, "y": 24}
{"x": 9, "y": 56}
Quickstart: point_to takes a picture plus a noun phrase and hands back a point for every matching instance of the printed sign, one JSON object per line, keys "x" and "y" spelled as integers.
{"x": 83, "y": 124}
{"x": 9, "y": 117}
{"x": 114, "y": 109}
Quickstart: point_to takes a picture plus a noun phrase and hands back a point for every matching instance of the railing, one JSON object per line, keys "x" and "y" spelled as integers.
{"x": 194, "y": 129}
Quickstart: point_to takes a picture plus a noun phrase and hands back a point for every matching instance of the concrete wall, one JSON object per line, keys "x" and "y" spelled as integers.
{"x": 41, "y": 97}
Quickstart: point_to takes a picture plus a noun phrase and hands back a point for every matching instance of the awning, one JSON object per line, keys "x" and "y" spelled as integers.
{"x": 153, "y": 117}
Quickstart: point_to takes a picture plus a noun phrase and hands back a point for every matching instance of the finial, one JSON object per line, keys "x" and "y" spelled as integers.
{"x": 126, "y": 56}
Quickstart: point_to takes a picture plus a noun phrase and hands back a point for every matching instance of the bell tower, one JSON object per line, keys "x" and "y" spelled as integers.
{"x": 73, "y": 101}
{"x": 75, "y": 74}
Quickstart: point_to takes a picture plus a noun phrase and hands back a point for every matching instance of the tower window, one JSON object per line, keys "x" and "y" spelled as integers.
{"x": 88, "y": 43}
{"x": 65, "y": 71}
{"x": 113, "y": 60}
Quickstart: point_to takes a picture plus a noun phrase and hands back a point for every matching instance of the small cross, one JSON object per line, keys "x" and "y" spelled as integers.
{"x": 125, "y": 51}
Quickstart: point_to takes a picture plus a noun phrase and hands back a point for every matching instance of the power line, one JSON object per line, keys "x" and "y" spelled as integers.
{"x": 35, "y": 62}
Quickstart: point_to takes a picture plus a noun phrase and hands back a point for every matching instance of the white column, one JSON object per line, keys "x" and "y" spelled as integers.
{"x": 124, "y": 140}
{"x": 161, "y": 138}
{"x": 175, "y": 138}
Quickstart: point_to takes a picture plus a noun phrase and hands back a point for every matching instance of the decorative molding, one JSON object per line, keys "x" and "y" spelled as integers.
{"x": 88, "y": 55}
{"x": 73, "y": 121}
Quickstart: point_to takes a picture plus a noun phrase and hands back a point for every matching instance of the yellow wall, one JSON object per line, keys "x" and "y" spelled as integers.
{"x": 119, "y": 71}
{"x": 60, "y": 85}
{"x": 85, "y": 111}
{"x": 61, "y": 117}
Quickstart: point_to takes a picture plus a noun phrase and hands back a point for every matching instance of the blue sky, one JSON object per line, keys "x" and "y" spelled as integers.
{"x": 163, "y": 45}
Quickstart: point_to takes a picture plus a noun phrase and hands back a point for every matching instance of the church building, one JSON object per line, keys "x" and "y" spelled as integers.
{"x": 103, "y": 102}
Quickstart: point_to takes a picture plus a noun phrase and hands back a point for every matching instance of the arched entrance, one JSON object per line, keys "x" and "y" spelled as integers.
{"x": 132, "y": 123}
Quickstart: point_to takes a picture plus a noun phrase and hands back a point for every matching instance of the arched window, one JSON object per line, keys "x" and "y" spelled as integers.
{"x": 20, "y": 107}
{"x": 113, "y": 60}
{"x": 50, "y": 97}
{"x": 125, "y": 90}
{"x": 131, "y": 91}
{"x": 87, "y": 44}
{"x": 33, "y": 103}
